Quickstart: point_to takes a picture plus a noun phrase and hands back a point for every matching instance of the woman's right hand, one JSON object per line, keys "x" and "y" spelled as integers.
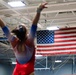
{"x": 41, "y": 7}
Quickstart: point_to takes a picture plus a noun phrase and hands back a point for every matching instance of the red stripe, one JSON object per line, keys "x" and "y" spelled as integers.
{"x": 61, "y": 31}
{"x": 65, "y": 33}
{"x": 56, "y": 49}
{"x": 57, "y": 41}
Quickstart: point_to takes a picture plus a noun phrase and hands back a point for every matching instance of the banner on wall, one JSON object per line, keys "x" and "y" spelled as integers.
{"x": 58, "y": 42}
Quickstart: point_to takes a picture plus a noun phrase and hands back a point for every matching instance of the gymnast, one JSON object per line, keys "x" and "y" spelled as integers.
{"x": 23, "y": 44}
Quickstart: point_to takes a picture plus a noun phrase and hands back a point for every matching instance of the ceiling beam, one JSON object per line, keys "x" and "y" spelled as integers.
{"x": 11, "y": 9}
{"x": 52, "y": 8}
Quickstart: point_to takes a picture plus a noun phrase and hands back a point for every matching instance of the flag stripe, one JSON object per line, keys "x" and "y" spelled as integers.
{"x": 65, "y": 32}
{"x": 71, "y": 28}
{"x": 61, "y": 31}
{"x": 70, "y": 36}
{"x": 58, "y": 45}
{"x": 55, "y": 49}
{"x": 55, "y": 54}
{"x": 56, "y": 41}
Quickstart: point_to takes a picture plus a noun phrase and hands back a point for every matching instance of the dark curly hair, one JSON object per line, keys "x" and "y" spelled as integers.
{"x": 20, "y": 33}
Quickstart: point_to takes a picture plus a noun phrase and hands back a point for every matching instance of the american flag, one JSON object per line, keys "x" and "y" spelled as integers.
{"x": 58, "y": 42}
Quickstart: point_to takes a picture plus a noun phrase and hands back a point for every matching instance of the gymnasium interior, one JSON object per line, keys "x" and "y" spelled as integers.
{"x": 55, "y": 48}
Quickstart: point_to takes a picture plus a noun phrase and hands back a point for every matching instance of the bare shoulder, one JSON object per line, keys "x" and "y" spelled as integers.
{"x": 32, "y": 73}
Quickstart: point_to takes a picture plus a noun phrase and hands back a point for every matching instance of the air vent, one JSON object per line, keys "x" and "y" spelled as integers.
{"x": 65, "y": 12}
{"x": 7, "y": 15}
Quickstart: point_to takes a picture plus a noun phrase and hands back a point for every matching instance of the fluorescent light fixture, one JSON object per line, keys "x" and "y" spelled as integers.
{"x": 53, "y": 28}
{"x": 16, "y": 3}
{"x": 38, "y": 56}
{"x": 14, "y": 62}
{"x": 58, "y": 61}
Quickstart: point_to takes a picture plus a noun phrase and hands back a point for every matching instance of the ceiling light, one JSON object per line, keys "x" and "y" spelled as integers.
{"x": 14, "y": 62}
{"x": 38, "y": 56}
{"x": 16, "y": 3}
{"x": 58, "y": 61}
{"x": 53, "y": 28}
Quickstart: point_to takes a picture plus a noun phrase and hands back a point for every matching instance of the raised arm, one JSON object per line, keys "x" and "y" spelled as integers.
{"x": 1, "y": 23}
{"x": 35, "y": 20}
{"x": 39, "y": 9}
{"x": 7, "y": 33}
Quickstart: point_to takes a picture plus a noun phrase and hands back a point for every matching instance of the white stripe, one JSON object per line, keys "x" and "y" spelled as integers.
{"x": 65, "y": 39}
{"x": 60, "y": 31}
{"x": 44, "y": 48}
